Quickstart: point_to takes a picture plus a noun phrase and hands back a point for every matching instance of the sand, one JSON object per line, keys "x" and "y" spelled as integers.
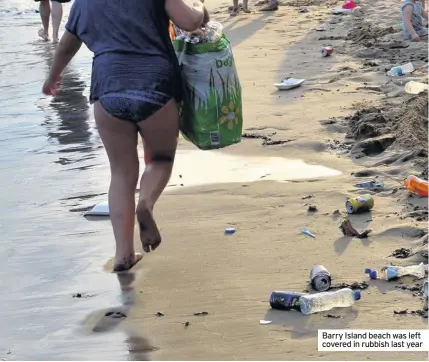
{"x": 199, "y": 269}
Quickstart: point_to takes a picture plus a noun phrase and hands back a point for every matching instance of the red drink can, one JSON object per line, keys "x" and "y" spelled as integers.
{"x": 327, "y": 51}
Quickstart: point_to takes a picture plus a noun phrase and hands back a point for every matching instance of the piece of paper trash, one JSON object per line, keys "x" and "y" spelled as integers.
{"x": 322, "y": 27}
{"x": 264, "y": 322}
{"x": 289, "y": 83}
{"x": 338, "y": 11}
{"x": 100, "y": 209}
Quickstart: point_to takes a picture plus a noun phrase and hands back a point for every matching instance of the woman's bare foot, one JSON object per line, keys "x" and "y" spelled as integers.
{"x": 55, "y": 40}
{"x": 233, "y": 12}
{"x": 43, "y": 35}
{"x": 127, "y": 263}
{"x": 149, "y": 233}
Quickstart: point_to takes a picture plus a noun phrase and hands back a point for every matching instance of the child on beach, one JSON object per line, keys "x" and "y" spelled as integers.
{"x": 413, "y": 13}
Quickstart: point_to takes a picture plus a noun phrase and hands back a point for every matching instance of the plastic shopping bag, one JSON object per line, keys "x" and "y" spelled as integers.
{"x": 211, "y": 115}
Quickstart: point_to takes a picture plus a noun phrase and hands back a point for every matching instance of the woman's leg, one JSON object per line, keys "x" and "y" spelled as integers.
{"x": 45, "y": 13}
{"x": 160, "y": 133}
{"x": 120, "y": 141}
{"x": 234, "y": 10}
{"x": 57, "y": 15}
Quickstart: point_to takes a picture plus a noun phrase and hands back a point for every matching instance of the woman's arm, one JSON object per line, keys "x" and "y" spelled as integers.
{"x": 67, "y": 48}
{"x": 188, "y": 18}
{"x": 408, "y": 14}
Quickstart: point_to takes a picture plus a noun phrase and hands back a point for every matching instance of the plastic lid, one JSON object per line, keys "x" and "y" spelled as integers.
{"x": 356, "y": 294}
{"x": 372, "y": 273}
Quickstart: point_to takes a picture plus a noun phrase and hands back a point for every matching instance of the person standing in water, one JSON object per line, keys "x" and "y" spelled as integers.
{"x": 135, "y": 88}
{"x": 45, "y": 10}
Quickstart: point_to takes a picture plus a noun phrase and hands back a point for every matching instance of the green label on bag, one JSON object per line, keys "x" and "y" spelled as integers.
{"x": 211, "y": 115}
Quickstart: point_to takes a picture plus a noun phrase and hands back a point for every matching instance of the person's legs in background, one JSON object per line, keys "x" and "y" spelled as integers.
{"x": 57, "y": 15}
{"x": 234, "y": 10}
{"x": 45, "y": 14}
{"x": 246, "y": 6}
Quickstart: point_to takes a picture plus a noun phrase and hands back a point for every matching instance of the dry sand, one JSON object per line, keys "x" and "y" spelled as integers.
{"x": 198, "y": 268}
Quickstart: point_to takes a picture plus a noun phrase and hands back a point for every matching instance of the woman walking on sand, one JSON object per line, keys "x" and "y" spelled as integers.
{"x": 135, "y": 87}
{"x": 57, "y": 15}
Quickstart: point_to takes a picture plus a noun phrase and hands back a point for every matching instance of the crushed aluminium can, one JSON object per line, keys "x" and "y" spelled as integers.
{"x": 320, "y": 278}
{"x": 356, "y": 205}
{"x": 374, "y": 184}
{"x": 327, "y": 51}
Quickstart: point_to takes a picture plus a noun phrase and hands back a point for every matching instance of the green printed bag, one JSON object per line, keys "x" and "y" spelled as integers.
{"x": 211, "y": 115}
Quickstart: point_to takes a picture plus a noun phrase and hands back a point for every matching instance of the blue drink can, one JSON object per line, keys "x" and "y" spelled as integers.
{"x": 285, "y": 300}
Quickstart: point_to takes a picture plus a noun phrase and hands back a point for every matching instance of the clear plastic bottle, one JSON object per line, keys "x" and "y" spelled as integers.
{"x": 313, "y": 303}
{"x": 392, "y": 272}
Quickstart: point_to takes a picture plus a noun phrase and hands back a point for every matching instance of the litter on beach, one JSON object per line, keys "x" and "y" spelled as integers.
{"x": 100, "y": 209}
{"x": 349, "y": 4}
{"x": 307, "y": 232}
{"x": 264, "y": 322}
{"x": 339, "y": 11}
{"x": 401, "y": 70}
{"x": 289, "y": 83}
{"x": 415, "y": 87}
{"x": 229, "y": 231}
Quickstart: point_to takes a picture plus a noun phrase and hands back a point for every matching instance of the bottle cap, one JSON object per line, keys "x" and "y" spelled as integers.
{"x": 356, "y": 294}
{"x": 371, "y": 273}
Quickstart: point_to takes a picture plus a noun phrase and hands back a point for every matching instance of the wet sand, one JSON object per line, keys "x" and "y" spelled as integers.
{"x": 57, "y": 253}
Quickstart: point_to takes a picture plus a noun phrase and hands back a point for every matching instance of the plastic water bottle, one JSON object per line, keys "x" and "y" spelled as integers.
{"x": 313, "y": 303}
{"x": 395, "y": 71}
{"x": 392, "y": 272}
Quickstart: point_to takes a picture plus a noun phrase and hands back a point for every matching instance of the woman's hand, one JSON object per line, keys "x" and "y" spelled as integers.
{"x": 415, "y": 37}
{"x": 66, "y": 50}
{"x": 50, "y": 87}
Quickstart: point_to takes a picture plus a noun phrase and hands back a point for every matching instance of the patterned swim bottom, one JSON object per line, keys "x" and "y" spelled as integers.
{"x": 133, "y": 105}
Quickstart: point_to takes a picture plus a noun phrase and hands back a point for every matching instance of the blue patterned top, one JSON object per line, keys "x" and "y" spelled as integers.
{"x": 131, "y": 45}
